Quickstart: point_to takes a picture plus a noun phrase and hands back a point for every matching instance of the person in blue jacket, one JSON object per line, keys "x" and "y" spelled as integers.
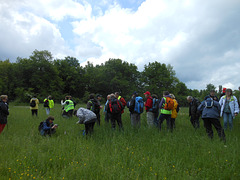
{"x": 210, "y": 114}
{"x": 47, "y": 127}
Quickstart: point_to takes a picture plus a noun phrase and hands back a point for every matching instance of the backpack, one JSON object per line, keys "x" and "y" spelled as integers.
{"x": 169, "y": 104}
{"x": 155, "y": 105}
{"x": 115, "y": 106}
{"x": 178, "y": 108}
{"x": 46, "y": 103}
{"x": 209, "y": 103}
{"x": 95, "y": 106}
{"x": 138, "y": 105}
{"x": 33, "y": 103}
{"x": 40, "y": 126}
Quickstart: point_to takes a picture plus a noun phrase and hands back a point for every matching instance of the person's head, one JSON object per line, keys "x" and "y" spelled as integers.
{"x": 112, "y": 96}
{"x": 91, "y": 96}
{"x": 212, "y": 92}
{"x": 50, "y": 119}
{"x": 108, "y": 97}
{"x": 68, "y": 97}
{"x": 165, "y": 93}
{"x": 172, "y": 95}
{"x": 4, "y": 98}
{"x": 228, "y": 92}
{"x": 239, "y": 88}
{"x": 147, "y": 94}
{"x": 34, "y": 96}
{"x": 154, "y": 96}
{"x": 99, "y": 96}
{"x": 49, "y": 97}
{"x": 189, "y": 99}
{"x": 135, "y": 94}
{"x": 116, "y": 94}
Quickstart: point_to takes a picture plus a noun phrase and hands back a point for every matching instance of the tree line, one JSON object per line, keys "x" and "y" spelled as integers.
{"x": 42, "y": 75}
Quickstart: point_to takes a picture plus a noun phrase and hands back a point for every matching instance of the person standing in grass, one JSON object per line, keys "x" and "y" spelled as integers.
{"x": 3, "y": 112}
{"x": 210, "y": 114}
{"x": 94, "y": 105}
{"x": 48, "y": 104}
{"x": 86, "y": 117}
{"x": 107, "y": 115}
{"x": 166, "y": 105}
{"x": 174, "y": 111}
{"x": 68, "y": 106}
{"x": 115, "y": 107}
{"x": 229, "y": 108}
{"x": 47, "y": 127}
{"x": 212, "y": 95}
{"x": 193, "y": 112}
{"x": 148, "y": 105}
{"x": 34, "y": 105}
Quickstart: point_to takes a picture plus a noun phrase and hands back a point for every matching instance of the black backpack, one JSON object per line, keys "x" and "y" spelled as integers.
{"x": 46, "y": 103}
{"x": 33, "y": 103}
{"x": 95, "y": 106}
{"x": 40, "y": 126}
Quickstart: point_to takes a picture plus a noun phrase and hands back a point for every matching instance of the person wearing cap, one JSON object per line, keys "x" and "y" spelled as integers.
{"x": 107, "y": 115}
{"x": 148, "y": 105}
{"x": 212, "y": 95}
{"x": 47, "y": 127}
{"x": 135, "y": 117}
{"x": 229, "y": 108}
{"x": 3, "y": 112}
{"x": 223, "y": 93}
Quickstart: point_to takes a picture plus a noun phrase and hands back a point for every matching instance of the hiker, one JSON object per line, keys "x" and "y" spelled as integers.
{"x": 166, "y": 105}
{"x": 3, "y": 112}
{"x": 107, "y": 115}
{"x": 223, "y": 93}
{"x": 47, "y": 127}
{"x": 174, "y": 111}
{"x": 86, "y": 117}
{"x": 155, "y": 108}
{"x": 34, "y": 105}
{"x": 136, "y": 108}
{"x": 239, "y": 96}
{"x": 68, "y": 106}
{"x": 148, "y": 106}
{"x": 212, "y": 95}
{"x": 210, "y": 114}
{"x": 193, "y": 112}
{"x": 115, "y": 107}
{"x": 122, "y": 100}
{"x": 229, "y": 108}
{"x": 48, "y": 104}
{"x": 94, "y": 105}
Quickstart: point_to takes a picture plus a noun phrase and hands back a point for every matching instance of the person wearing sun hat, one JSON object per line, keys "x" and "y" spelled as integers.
{"x": 148, "y": 105}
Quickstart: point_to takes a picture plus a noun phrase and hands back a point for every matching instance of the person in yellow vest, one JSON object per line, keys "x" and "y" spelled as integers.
{"x": 48, "y": 104}
{"x": 174, "y": 111}
{"x": 34, "y": 105}
{"x": 68, "y": 106}
{"x": 166, "y": 105}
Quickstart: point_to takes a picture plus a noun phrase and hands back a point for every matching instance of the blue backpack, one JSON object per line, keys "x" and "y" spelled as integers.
{"x": 138, "y": 105}
{"x": 155, "y": 105}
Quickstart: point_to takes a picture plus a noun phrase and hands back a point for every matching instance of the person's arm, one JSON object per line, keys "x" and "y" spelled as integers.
{"x": 4, "y": 109}
{"x": 123, "y": 101}
{"x": 45, "y": 127}
{"x": 161, "y": 103}
{"x": 63, "y": 103}
{"x": 236, "y": 107}
{"x": 200, "y": 107}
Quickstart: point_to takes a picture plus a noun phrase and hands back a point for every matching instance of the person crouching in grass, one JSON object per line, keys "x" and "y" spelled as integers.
{"x": 47, "y": 127}
{"x": 86, "y": 117}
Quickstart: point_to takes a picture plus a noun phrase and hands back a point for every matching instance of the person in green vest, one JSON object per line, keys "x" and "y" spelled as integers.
{"x": 68, "y": 106}
{"x": 48, "y": 104}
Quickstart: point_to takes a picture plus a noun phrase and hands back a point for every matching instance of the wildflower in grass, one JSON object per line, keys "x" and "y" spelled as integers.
{"x": 209, "y": 152}
{"x": 85, "y": 164}
{"x": 226, "y": 160}
{"x": 50, "y": 159}
{"x": 27, "y": 174}
{"x": 63, "y": 178}
{"x": 34, "y": 178}
{"x": 132, "y": 152}
{"x": 155, "y": 174}
{"x": 14, "y": 171}
{"x": 173, "y": 166}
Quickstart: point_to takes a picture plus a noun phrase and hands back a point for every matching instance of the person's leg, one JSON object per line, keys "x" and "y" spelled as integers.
{"x": 197, "y": 122}
{"x": 106, "y": 117}
{"x": 98, "y": 119}
{"x": 208, "y": 126}
{"x": 172, "y": 123}
{"x": 87, "y": 128}
{"x": 133, "y": 119}
{"x": 36, "y": 112}
{"x": 168, "y": 119}
{"x": 113, "y": 121}
{"x": 119, "y": 121}
{"x": 70, "y": 113}
{"x": 65, "y": 114}
{"x": 48, "y": 111}
{"x": 91, "y": 127}
{"x": 150, "y": 119}
{"x": 32, "y": 112}
{"x": 216, "y": 123}
{"x": 2, "y": 126}
{"x": 192, "y": 121}
{"x": 230, "y": 120}
{"x": 160, "y": 120}
{"x": 138, "y": 120}
{"x": 225, "y": 120}
{"x": 156, "y": 119}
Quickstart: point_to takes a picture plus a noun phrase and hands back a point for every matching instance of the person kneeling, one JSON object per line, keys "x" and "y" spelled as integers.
{"x": 86, "y": 117}
{"x": 47, "y": 127}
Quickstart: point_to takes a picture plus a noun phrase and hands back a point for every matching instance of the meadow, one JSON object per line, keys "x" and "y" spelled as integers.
{"x": 143, "y": 153}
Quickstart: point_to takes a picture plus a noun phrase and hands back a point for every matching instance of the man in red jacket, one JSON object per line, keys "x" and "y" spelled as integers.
{"x": 148, "y": 105}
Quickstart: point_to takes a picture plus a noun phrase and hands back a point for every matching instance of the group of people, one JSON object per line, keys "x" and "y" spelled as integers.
{"x": 211, "y": 109}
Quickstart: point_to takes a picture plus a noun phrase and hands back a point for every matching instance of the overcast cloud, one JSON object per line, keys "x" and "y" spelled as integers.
{"x": 200, "y": 39}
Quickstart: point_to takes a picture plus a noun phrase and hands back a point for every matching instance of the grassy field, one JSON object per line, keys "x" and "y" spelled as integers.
{"x": 133, "y": 154}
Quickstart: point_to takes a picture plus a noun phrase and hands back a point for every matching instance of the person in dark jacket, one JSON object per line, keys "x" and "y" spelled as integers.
{"x": 3, "y": 112}
{"x": 94, "y": 105}
{"x": 193, "y": 112}
{"x": 212, "y": 95}
{"x": 210, "y": 114}
{"x": 135, "y": 117}
{"x": 114, "y": 108}
{"x": 47, "y": 127}
{"x": 86, "y": 117}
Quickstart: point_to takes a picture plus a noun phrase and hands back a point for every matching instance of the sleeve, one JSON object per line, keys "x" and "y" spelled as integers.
{"x": 45, "y": 127}
{"x": 89, "y": 105}
{"x": 236, "y": 107}
{"x": 161, "y": 103}
{"x": 221, "y": 101}
{"x": 200, "y": 107}
{"x": 63, "y": 103}
{"x": 4, "y": 109}
{"x": 123, "y": 101}
{"x": 132, "y": 105}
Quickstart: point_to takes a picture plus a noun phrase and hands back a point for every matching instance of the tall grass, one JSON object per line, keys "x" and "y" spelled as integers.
{"x": 143, "y": 153}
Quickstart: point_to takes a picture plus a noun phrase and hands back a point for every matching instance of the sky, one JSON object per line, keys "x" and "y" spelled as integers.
{"x": 200, "y": 39}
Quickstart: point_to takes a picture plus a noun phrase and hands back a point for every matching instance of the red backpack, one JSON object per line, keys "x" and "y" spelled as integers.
{"x": 115, "y": 106}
